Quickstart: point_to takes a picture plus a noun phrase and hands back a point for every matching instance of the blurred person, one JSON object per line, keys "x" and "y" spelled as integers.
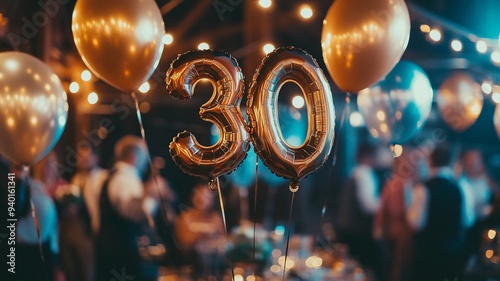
{"x": 79, "y": 215}
{"x": 199, "y": 224}
{"x": 359, "y": 201}
{"x": 124, "y": 208}
{"x": 437, "y": 212}
{"x": 479, "y": 188}
{"x": 47, "y": 172}
{"x": 391, "y": 226}
{"x": 31, "y": 241}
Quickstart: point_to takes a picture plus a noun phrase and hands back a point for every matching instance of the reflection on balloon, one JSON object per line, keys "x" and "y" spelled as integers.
{"x": 363, "y": 40}
{"x": 460, "y": 101}
{"x": 222, "y": 109}
{"x": 120, "y": 41}
{"x": 33, "y": 108}
{"x": 396, "y": 108}
{"x": 293, "y": 162}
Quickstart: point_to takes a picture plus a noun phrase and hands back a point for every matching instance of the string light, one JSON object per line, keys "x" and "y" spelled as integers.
{"x": 495, "y": 57}
{"x": 306, "y": 12}
{"x": 92, "y": 98}
{"x": 435, "y": 35}
{"x": 267, "y": 48}
{"x": 356, "y": 119}
{"x": 425, "y": 28}
{"x": 265, "y": 3}
{"x": 74, "y": 87}
{"x": 167, "y": 39}
{"x": 481, "y": 46}
{"x": 144, "y": 88}
{"x": 298, "y": 102}
{"x": 456, "y": 45}
{"x": 203, "y": 46}
{"x": 486, "y": 88}
{"x": 86, "y": 75}
{"x": 496, "y": 97}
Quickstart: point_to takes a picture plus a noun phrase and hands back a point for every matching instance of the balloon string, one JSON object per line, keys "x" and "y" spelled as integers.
{"x": 288, "y": 235}
{"x": 36, "y": 222}
{"x": 255, "y": 211}
{"x": 223, "y": 213}
{"x": 344, "y": 116}
{"x": 153, "y": 173}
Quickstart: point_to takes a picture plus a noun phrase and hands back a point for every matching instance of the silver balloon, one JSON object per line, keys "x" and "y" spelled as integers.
{"x": 33, "y": 108}
{"x": 396, "y": 108}
{"x": 284, "y": 65}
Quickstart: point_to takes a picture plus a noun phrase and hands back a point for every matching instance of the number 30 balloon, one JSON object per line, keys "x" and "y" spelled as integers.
{"x": 279, "y": 67}
{"x": 222, "y": 109}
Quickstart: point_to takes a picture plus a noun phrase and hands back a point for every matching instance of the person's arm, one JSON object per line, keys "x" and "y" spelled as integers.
{"x": 380, "y": 222}
{"x": 417, "y": 206}
{"x": 127, "y": 196}
{"x": 367, "y": 190}
{"x": 468, "y": 203}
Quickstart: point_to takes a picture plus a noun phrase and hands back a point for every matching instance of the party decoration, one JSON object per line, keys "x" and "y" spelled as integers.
{"x": 363, "y": 40}
{"x": 222, "y": 109}
{"x": 460, "y": 101}
{"x": 396, "y": 108}
{"x": 284, "y": 65}
{"x": 120, "y": 41}
{"x": 33, "y": 108}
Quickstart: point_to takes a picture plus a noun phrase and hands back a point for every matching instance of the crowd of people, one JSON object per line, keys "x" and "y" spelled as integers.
{"x": 422, "y": 221}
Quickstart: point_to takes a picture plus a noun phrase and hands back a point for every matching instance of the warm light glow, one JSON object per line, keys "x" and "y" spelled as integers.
{"x": 167, "y": 39}
{"x": 265, "y": 3}
{"x": 92, "y": 98}
{"x": 397, "y": 150}
{"x": 238, "y": 277}
{"x": 306, "y": 12}
{"x": 456, "y": 45}
{"x": 298, "y": 102}
{"x": 435, "y": 35}
{"x": 86, "y": 75}
{"x": 203, "y": 46}
{"x": 495, "y": 56}
{"x": 289, "y": 262}
{"x": 251, "y": 278}
{"x": 486, "y": 87}
{"x": 491, "y": 234}
{"x": 268, "y": 48}
{"x": 481, "y": 46}
{"x": 144, "y": 88}
{"x": 380, "y": 115}
{"x": 356, "y": 119}
{"x": 496, "y": 97}
{"x": 425, "y": 28}
{"x": 314, "y": 262}
{"x": 74, "y": 87}
{"x": 489, "y": 254}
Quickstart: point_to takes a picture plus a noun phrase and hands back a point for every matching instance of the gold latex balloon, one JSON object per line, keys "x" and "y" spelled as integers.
{"x": 120, "y": 41}
{"x": 460, "y": 101}
{"x": 362, "y": 40}
{"x": 33, "y": 108}
{"x": 284, "y": 65}
{"x": 223, "y": 109}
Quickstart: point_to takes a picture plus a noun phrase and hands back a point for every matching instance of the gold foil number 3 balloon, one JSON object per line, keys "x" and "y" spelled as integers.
{"x": 222, "y": 109}
{"x": 294, "y": 162}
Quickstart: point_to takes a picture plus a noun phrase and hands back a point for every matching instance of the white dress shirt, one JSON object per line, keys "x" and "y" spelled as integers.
{"x": 479, "y": 192}
{"x": 367, "y": 187}
{"x": 417, "y": 202}
{"x": 91, "y": 184}
{"x": 47, "y": 218}
{"x": 126, "y": 193}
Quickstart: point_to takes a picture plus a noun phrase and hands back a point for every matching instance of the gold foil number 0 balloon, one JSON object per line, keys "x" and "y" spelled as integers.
{"x": 294, "y": 162}
{"x": 222, "y": 109}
